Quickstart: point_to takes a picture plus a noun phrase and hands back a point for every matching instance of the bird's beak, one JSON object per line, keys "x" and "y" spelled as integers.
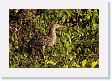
{"x": 62, "y": 26}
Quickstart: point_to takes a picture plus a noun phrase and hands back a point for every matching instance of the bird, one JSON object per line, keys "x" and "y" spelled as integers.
{"x": 48, "y": 40}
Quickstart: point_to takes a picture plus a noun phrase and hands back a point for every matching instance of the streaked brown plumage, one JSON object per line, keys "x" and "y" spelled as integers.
{"x": 49, "y": 40}
{"x": 43, "y": 41}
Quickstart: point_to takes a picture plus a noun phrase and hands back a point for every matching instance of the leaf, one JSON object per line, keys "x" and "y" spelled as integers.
{"x": 51, "y": 62}
{"x": 69, "y": 12}
{"x": 16, "y": 11}
{"x": 16, "y": 47}
{"x": 76, "y": 65}
{"x": 78, "y": 50}
{"x": 84, "y": 62}
{"x": 65, "y": 66}
{"x": 63, "y": 18}
{"x": 69, "y": 38}
{"x": 70, "y": 57}
{"x": 94, "y": 64}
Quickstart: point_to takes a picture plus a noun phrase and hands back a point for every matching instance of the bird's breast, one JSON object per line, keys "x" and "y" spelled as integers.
{"x": 51, "y": 41}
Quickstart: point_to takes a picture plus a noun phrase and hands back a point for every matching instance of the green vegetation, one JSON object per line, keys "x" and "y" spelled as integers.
{"x": 77, "y": 46}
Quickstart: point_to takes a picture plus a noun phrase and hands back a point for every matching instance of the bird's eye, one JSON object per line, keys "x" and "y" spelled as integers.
{"x": 56, "y": 25}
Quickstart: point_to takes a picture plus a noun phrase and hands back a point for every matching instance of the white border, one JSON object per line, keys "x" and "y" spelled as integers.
{"x": 5, "y": 71}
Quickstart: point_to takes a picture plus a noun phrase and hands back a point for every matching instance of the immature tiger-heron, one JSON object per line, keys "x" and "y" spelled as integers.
{"x": 49, "y": 40}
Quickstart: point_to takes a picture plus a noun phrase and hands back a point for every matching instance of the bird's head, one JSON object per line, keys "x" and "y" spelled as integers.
{"x": 58, "y": 26}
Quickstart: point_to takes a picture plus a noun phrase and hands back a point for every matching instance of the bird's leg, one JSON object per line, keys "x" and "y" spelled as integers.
{"x": 43, "y": 49}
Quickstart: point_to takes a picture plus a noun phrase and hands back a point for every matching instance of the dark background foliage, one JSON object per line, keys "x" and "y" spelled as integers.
{"x": 77, "y": 46}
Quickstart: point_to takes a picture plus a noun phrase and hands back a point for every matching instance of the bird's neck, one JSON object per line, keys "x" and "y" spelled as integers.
{"x": 52, "y": 33}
